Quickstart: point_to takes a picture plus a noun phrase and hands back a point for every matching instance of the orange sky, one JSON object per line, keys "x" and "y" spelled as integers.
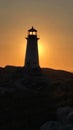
{"x": 54, "y": 21}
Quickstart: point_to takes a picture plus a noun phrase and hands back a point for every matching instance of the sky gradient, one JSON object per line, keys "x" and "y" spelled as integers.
{"x": 54, "y": 21}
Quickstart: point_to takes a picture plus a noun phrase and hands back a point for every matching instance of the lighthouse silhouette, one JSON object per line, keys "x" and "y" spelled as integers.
{"x": 32, "y": 56}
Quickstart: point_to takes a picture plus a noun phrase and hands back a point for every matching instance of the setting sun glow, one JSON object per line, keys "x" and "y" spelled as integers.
{"x": 53, "y": 20}
{"x": 41, "y": 49}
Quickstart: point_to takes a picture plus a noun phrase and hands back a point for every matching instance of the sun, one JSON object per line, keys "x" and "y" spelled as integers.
{"x": 41, "y": 49}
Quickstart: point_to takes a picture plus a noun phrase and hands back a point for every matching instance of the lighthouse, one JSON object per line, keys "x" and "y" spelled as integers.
{"x": 32, "y": 56}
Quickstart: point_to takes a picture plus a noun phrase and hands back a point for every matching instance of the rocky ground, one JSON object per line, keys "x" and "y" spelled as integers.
{"x": 64, "y": 120}
{"x": 33, "y": 99}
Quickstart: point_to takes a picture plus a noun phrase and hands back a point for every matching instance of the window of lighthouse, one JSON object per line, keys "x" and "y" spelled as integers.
{"x": 32, "y": 33}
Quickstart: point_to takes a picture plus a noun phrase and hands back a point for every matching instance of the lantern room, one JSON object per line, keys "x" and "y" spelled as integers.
{"x": 32, "y": 31}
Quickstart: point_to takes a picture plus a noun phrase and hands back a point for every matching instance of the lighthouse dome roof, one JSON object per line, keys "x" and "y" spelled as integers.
{"x": 32, "y": 29}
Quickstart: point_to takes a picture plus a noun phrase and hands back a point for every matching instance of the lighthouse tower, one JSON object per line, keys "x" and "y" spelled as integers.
{"x": 32, "y": 57}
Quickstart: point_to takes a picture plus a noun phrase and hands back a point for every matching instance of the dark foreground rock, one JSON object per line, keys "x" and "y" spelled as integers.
{"x": 63, "y": 122}
{"x": 31, "y": 97}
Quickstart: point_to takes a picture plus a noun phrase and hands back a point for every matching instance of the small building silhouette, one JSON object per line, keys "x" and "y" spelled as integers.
{"x": 32, "y": 57}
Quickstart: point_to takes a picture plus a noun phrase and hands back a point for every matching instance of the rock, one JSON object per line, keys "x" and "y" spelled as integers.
{"x": 55, "y": 125}
{"x": 70, "y": 118}
{"x": 66, "y": 127}
{"x": 50, "y": 125}
{"x": 63, "y": 113}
